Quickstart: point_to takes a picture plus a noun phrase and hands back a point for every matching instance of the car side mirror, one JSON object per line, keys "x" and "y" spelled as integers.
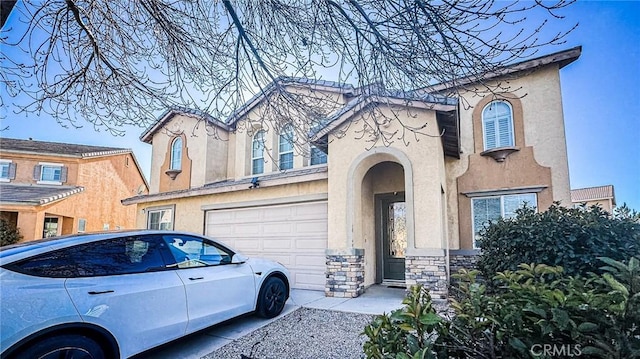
{"x": 239, "y": 258}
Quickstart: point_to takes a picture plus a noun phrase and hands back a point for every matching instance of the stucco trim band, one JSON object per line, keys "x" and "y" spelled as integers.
{"x": 267, "y": 202}
{"x": 500, "y": 192}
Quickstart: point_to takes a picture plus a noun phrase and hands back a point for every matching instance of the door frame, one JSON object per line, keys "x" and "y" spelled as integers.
{"x": 380, "y": 201}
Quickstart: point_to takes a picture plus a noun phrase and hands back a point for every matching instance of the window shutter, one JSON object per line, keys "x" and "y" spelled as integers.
{"x": 504, "y": 129}
{"x": 489, "y": 135}
{"x": 12, "y": 171}
{"x": 37, "y": 171}
{"x": 63, "y": 174}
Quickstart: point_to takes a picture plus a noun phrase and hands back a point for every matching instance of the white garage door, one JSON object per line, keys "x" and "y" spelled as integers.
{"x": 292, "y": 234}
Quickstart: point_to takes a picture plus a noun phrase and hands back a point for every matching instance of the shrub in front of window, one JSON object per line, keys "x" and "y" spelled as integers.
{"x": 569, "y": 237}
{"x": 9, "y": 234}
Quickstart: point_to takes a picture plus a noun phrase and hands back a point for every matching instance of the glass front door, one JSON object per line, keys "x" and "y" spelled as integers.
{"x": 394, "y": 238}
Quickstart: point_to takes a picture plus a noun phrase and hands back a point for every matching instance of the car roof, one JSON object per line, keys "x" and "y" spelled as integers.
{"x": 19, "y": 251}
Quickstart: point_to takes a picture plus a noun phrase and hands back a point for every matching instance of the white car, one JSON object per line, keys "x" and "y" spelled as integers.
{"x": 113, "y": 295}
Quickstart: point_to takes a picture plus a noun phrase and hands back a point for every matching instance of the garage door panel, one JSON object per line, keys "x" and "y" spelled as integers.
{"x": 294, "y": 235}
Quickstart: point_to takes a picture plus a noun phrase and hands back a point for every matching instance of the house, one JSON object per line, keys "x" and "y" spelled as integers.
{"x": 360, "y": 204}
{"x": 602, "y": 196}
{"x": 50, "y": 188}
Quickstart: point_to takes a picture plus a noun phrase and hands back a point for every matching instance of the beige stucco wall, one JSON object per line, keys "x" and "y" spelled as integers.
{"x": 422, "y": 160}
{"x": 539, "y": 94}
{"x": 189, "y": 215}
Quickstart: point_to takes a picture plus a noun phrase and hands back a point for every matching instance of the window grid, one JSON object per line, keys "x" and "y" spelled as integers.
{"x": 286, "y": 148}
{"x": 485, "y": 209}
{"x": 4, "y": 169}
{"x": 51, "y": 173}
{"x": 161, "y": 219}
{"x": 257, "y": 153}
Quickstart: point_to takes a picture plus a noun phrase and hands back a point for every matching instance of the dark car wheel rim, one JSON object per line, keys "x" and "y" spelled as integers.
{"x": 67, "y": 353}
{"x": 274, "y": 297}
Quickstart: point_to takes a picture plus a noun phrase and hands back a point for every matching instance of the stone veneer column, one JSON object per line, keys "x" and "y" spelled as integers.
{"x": 463, "y": 258}
{"x": 430, "y": 271}
{"x": 345, "y": 273}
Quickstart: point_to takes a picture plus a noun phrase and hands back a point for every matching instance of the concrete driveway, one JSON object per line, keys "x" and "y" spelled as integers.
{"x": 376, "y": 300}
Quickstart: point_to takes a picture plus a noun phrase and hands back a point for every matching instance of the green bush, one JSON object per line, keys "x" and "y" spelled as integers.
{"x": 569, "y": 237}
{"x": 539, "y": 305}
{"x": 9, "y": 234}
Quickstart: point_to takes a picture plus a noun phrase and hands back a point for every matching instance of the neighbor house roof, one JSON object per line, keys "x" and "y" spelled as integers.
{"x": 58, "y": 148}
{"x": 21, "y": 194}
{"x": 592, "y": 194}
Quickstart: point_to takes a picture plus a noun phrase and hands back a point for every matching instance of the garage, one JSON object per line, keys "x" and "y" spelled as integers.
{"x": 292, "y": 234}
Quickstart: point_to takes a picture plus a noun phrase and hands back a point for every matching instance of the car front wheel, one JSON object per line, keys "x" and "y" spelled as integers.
{"x": 272, "y": 297}
{"x": 70, "y": 346}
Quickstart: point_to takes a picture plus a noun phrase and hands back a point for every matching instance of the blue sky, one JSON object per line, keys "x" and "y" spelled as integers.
{"x": 601, "y": 104}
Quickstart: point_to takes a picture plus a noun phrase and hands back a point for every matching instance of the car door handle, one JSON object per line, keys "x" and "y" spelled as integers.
{"x": 100, "y": 292}
{"x": 195, "y": 278}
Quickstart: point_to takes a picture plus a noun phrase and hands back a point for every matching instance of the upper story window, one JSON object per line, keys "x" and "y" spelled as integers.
{"x": 486, "y": 209}
{"x": 50, "y": 173}
{"x": 7, "y": 170}
{"x": 176, "y": 154}
{"x": 497, "y": 125}
{"x": 257, "y": 153}
{"x": 286, "y": 148}
{"x": 317, "y": 156}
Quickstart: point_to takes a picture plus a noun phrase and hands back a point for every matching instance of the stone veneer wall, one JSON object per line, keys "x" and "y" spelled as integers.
{"x": 345, "y": 273}
{"x": 459, "y": 259}
{"x": 431, "y": 271}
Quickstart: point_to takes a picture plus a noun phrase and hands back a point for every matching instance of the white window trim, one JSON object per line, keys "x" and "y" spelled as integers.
{"x": 150, "y": 210}
{"x": 49, "y": 164}
{"x": 172, "y": 159}
{"x": 6, "y": 179}
{"x": 261, "y": 157}
{"x": 484, "y": 131}
{"x": 280, "y": 153}
{"x": 501, "y": 197}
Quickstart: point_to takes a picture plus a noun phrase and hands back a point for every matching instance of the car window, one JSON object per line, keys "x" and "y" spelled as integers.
{"x": 191, "y": 251}
{"x": 126, "y": 255}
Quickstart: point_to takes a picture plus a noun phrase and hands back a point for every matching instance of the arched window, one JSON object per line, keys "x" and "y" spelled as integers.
{"x": 286, "y": 147}
{"x": 497, "y": 125}
{"x": 257, "y": 153}
{"x": 176, "y": 154}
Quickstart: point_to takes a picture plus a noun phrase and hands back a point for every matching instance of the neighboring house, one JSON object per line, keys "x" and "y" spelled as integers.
{"x": 348, "y": 213}
{"x": 50, "y": 188}
{"x": 602, "y": 196}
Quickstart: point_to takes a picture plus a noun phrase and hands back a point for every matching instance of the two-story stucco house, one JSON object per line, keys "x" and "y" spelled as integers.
{"x": 51, "y": 188}
{"x": 350, "y": 212}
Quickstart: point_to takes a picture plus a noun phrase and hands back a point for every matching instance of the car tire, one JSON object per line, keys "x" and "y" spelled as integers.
{"x": 272, "y": 297}
{"x": 64, "y": 346}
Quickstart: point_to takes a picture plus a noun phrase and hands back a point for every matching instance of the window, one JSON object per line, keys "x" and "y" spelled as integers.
{"x": 135, "y": 254}
{"x": 493, "y": 208}
{"x": 191, "y": 252}
{"x": 50, "y": 227}
{"x": 161, "y": 218}
{"x": 286, "y": 148}
{"x": 82, "y": 225}
{"x": 317, "y": 156}
{"x": 497, "y": 125}
{"x": 50, "y": 173}
{"x": 257, "y": 153}
{"x": 176, "y": 154}
{"x": 7, "y": 171}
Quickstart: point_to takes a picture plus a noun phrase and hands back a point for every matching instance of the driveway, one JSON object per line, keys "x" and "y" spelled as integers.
{"x": 376, "y": 300}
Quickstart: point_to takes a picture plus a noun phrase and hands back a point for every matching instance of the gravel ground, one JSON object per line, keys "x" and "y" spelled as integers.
{"x": 303, "y": 334}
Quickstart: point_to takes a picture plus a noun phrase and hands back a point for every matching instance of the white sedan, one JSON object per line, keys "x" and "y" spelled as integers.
{"x": 113, "y": 295}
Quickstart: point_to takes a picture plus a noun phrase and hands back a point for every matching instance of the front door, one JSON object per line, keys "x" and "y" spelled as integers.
{"x": 50, "y": 227}
{"x": 393, "y": 233}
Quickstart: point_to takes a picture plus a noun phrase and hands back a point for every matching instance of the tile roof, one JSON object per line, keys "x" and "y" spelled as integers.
{"x": 57, "y": 148}
{"x": 35, "y": 194}
{"x": 592, "y": 193}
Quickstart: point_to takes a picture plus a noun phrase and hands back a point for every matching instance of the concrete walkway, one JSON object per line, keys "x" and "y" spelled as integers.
{"x": 376, "y": 300}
